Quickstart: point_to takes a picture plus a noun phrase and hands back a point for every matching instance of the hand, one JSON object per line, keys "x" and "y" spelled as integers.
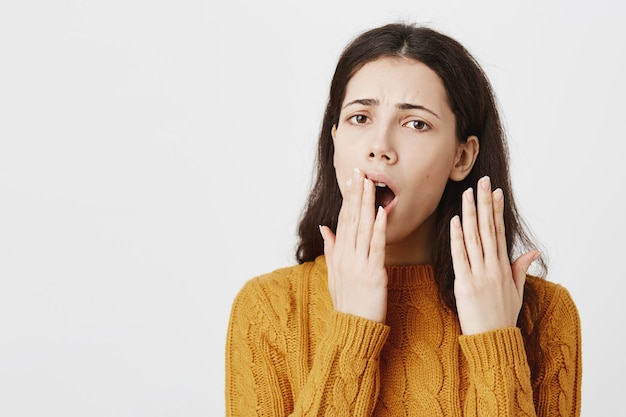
{"x": 355, "y": 257}
{"x": 489, "y": 291}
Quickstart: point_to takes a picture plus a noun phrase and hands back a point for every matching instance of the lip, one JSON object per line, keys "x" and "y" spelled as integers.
{"x": 381, "y": 177}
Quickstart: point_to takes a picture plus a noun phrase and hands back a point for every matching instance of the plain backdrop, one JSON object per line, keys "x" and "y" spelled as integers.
{"x": 155, "y": 155}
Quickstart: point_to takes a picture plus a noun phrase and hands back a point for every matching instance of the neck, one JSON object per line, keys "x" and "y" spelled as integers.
{"x": 414, "y": 249}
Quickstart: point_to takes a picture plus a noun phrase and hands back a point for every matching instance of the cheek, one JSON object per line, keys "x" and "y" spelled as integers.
{"x": 440, "y": 166}
{"x": 341, "y": 173}
{"x": 344, "y": 165}
{"x": 430, "y": 176}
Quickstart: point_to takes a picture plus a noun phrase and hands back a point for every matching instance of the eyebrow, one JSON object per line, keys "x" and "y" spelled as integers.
{"x": 401, "y": 106}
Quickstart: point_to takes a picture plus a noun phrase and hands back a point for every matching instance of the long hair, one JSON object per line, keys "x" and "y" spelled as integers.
{"x": 473, "y": 103}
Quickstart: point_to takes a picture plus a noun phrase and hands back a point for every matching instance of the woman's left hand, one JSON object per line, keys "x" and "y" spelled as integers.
{"x": 489, "y": 290}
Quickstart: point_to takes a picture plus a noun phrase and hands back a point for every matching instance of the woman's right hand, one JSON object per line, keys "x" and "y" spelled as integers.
{"x": 355, "y": 256}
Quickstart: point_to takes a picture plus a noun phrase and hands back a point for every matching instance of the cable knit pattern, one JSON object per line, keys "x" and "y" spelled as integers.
{"x": 288, "y": 353}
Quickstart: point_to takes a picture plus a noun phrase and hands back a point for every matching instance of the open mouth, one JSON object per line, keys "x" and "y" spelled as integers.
{"x": 384, "y": 195}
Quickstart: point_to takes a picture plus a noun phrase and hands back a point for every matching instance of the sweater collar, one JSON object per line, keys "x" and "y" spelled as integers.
{"x": 400, "y": 276}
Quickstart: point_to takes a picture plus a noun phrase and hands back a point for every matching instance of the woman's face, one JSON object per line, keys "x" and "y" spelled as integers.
{"x": 396, "y": 126}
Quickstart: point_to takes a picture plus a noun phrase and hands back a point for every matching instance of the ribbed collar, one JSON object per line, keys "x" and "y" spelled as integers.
{"x": 400, "y": 276}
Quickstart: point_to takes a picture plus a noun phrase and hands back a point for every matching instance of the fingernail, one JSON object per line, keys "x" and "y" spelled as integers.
{"x": 379, "y": 211}
{"x": 456, "y": 222}
{"x": 469, "y": 195}
{"x": 485, "y": 182}
{"x": 321, "y": 233}
{"x": 498, "y": 195}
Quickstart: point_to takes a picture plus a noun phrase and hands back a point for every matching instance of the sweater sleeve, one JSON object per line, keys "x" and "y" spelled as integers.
{"x": 499, "y": 375}
{"x": 345, "y": 377}
{"x": 500, "y": 379}
{"x": 344, "y": 374}
{"x": 558, "y": 388}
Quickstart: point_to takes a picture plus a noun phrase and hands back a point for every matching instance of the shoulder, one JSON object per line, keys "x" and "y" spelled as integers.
{"x": 274, "y": 294}
{"x": 279, "y": 281}
{"x": 557, "y": 311}
{"x": 551, "y": 295}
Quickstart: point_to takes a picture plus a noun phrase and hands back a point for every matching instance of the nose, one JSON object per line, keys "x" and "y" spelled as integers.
{"x": 381, "y": 149}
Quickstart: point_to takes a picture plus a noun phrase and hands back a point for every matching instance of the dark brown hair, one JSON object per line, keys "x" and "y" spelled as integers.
{"x": 473, "y": 103}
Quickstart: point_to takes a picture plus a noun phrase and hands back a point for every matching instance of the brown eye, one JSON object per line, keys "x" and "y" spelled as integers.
{"x": 418, "y": 125}
{"x": 359, "y": 119}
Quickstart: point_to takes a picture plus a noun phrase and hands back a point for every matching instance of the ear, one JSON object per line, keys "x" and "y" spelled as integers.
{"x": 465, "y": 158}
{"x": 333, "y": 134}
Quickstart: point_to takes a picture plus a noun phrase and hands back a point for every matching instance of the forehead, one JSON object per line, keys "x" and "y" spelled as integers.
{"x": 397, "y": 79}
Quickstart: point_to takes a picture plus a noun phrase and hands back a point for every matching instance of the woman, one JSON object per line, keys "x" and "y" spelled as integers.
{"x": 411, "y": 296}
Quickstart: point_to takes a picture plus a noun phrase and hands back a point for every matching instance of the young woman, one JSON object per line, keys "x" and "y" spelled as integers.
{"x": 411, "y": 296}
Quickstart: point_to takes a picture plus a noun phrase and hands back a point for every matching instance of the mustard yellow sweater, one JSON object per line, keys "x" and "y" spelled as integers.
{"x": 288, "y": 353}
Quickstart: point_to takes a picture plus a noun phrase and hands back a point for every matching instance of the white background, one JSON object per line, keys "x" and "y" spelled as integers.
{"x": 154, "y": 155}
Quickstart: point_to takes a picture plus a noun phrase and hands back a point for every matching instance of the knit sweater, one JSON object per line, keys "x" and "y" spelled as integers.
{"x": 289, "y": 353}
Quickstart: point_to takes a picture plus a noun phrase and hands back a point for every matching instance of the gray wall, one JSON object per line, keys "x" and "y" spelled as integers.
{"x": 155, "y": 155}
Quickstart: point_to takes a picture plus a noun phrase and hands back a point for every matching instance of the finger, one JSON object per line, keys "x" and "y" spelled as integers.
{"x": 353, "y": 212}
{"x": 329, "y": 241}
{"x": 520, "y": 266}
{"x": 460, "y": 261}
{"x": 344, "y": 208}
{"x": 366, "y": 221}
{"x": 329, "y": 244}
{"x": 498, "y": 218}
{"x": 471, "y": 237}
{"x": 379, "y": 238}
{"x": 486, "y": 225}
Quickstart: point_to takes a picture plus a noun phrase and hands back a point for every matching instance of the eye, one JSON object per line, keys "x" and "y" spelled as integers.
{"x": 358, "y": 119}
{"x": 418, "y": 125}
